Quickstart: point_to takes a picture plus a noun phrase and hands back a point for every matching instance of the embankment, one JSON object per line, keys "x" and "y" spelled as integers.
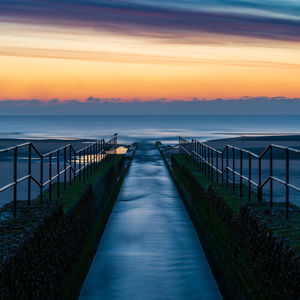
{"x": 248, "y": 257}
{"x": 40, "y": 249}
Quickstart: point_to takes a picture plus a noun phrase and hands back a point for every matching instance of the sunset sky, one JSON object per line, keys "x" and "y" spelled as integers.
{"x": 178, "y": 49}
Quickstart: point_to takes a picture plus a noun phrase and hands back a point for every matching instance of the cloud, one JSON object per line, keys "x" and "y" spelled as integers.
{"x": 161, "y": 20}
{"x": 245, "y": 105}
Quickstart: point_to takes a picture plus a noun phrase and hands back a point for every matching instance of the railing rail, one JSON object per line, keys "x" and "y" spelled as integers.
{"x": 209, "y": 160}
{"x": 65, "y": 163}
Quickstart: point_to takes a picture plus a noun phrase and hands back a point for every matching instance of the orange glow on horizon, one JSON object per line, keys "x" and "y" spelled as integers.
{"x": 48, "y": 64}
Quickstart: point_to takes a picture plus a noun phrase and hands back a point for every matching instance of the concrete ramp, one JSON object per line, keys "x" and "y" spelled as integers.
{"x": 149, "y": 249}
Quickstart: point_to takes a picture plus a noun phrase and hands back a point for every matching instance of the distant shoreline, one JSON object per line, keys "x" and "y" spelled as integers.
{"x": 45, "y": 144}
{"x": 244, "y": 141}
{"x": 257, "y": 142}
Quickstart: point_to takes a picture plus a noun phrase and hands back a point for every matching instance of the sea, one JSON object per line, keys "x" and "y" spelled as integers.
{"x": 140, "y": 128}
{"x": 130, "y": 128}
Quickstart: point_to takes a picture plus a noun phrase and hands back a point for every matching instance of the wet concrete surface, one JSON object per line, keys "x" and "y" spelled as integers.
{"x": 149, "y": 249}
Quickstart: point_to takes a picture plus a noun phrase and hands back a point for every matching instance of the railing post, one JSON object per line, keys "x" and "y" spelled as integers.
{"x": 287, "y": 191}
{"x": 249, "y": 181}
{"x": 88, "y": 159}
{"x": 233, "y": 170}
{"x": 57, "y": 170}
{"x": 271, "y": 179}
{"x": 29, "y": 174}
{"x": 84, "y": 166}
{"x": 50, "y": 176}
{"x": 197, "y": 154}
{"x": 91, "y": 160}
{"x": 217, "y": 157}
{"x": 65, "y": 168}
{"x": 87, "y": 162}
{"x": 95, "y": 157}
{"x": 227, "y": 164}
{"x": 212, "y": 164}
{"x": 259, "y": 191}
{"x": 241, "y": 173}
{"x": 202, "y": 160}
{"x": 79, "y": 166}
{"x": 99, "y": 153}
{"x": 222, "y": 167}
{"x": 208, "y": 162}
{"x": 15, "y": 180}
{"x": 101, "y": 156}
{"x": 205, "y": 160}
{"x": 75, "y": 162}
{"x": 42, "y": 178}
{"x": 104, "y": 150}
{"x": 70, "y": 171}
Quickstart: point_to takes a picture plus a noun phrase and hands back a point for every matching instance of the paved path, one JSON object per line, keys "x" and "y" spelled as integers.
{"x": 149, "y": 249}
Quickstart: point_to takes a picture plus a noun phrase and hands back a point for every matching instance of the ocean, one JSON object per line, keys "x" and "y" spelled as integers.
{"x": 144, "y": 127}
{"x": 141, "y": 128}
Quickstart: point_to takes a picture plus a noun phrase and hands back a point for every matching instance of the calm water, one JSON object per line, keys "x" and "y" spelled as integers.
{"x": 134, "y": 128}
{"x": 149, "y": 249}
{"x": 131, "y": 128}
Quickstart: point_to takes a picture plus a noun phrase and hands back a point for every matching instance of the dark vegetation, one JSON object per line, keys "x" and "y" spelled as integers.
{"x": 74, "y": 191}
{"x": 80, "y": 267}
{"x": 248, "y": 247}
{"x": 46, "y": 251}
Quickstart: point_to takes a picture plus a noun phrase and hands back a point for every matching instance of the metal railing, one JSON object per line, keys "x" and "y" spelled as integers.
{"x": 219, "y": 165}
{"x": 63, "y": 165}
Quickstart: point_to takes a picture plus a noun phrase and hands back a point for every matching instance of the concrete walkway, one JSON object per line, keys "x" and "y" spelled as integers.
{"x": 149, "y": 249}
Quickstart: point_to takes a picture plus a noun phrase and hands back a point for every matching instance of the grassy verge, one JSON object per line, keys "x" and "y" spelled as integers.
{"x": 76, "y": 189}
{"x": 233, "y": 200}
{"x": 275, "y": 218}
{"x": 80, "y": 268}
{"x": 229, "y": 257}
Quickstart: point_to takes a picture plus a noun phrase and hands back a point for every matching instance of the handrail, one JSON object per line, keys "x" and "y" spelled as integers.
{"x": 209, "y": 159}
{"x": 63, "y": 162}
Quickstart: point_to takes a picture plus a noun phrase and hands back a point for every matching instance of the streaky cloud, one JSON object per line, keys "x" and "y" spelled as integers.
{"x": 147, "y": 19}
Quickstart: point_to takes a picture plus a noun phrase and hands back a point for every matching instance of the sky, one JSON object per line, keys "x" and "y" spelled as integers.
{"x": 95, "y": 106}
{"x": 147, "y": 50}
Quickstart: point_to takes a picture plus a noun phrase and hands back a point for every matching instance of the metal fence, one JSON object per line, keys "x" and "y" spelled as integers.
{"x": 63, "y": 165}
{"x": 234, "y": 166}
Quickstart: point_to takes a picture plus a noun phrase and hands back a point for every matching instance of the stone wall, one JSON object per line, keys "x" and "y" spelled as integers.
{"x": 37, "y": 248}
{"x": 281, "y": 264}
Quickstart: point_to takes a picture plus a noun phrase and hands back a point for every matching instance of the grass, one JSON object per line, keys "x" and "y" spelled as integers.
{"x": 74, "y": 281}
{"x": 233, "y": 200}
{"x": 80, "y": 268}
{"x": 275, "y": 218}
{"x": 224, "y": 245}
{"x": 76, "y": 189}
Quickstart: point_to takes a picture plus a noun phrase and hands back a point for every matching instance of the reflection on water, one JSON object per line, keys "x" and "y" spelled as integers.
{"x": 149, "y": 249}
{"x": 119, "y": 150}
